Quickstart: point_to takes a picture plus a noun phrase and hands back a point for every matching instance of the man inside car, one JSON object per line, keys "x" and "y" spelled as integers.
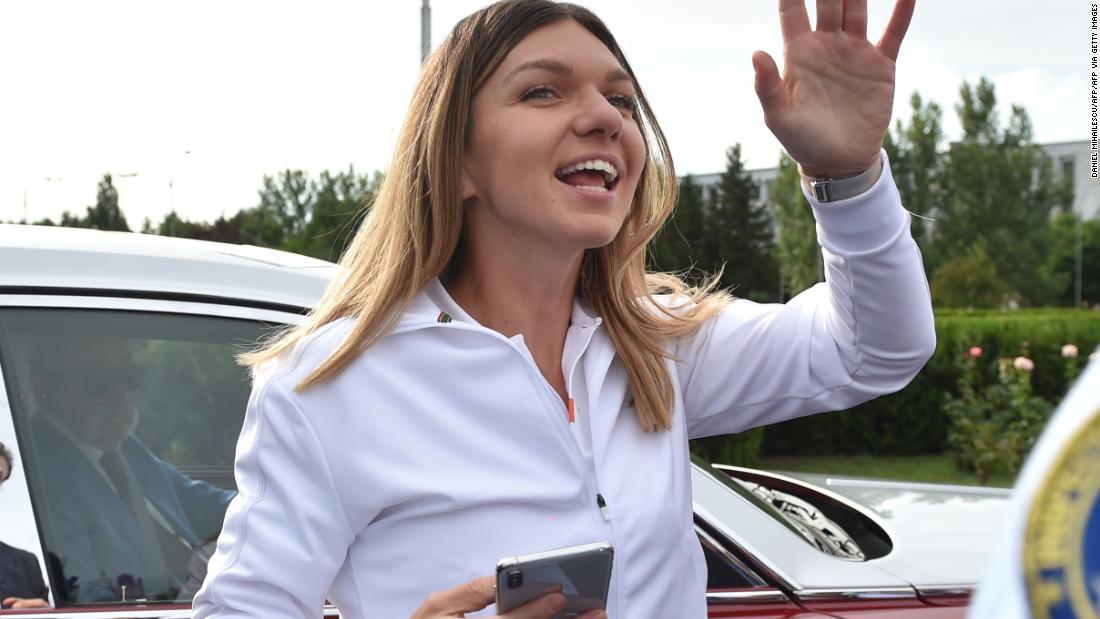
{"x": 123, "y": 522}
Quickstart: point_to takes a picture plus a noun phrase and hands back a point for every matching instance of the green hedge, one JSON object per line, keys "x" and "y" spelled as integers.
{"x": 912, "y": 421}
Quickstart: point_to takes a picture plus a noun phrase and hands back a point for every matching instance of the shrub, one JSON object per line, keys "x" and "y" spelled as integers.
{"x": 914, "y": 420}
{"x": 994, "y": 425}
{"x": 969, "y": 281}
{"x": 742, "y": 449}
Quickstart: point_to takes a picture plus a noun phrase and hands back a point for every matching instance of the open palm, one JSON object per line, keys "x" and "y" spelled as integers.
{"x": 831, "y": 108}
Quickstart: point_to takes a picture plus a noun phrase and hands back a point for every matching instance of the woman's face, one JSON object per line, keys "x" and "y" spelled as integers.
{"x": 555, "y": 153}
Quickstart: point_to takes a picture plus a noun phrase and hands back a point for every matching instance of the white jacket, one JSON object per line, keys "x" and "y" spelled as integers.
{"x": 442, "y": 449}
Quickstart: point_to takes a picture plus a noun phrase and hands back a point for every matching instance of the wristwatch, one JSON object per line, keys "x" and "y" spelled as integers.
{"x": 826, "y": 189}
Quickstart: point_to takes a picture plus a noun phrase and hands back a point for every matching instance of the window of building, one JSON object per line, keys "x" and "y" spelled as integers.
{"x": 1067, "y": 170}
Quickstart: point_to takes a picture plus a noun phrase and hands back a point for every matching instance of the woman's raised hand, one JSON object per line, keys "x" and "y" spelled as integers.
{"x": 480, "y": 592}
{"x": 831, "y": 108}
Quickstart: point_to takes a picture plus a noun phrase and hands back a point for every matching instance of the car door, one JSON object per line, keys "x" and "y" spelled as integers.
{"x": 122, "y": 414}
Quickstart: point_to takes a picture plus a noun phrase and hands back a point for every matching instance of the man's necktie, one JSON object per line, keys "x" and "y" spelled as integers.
{"x": 158, "y": 578}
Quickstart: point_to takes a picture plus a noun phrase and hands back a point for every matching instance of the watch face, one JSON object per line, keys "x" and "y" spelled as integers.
{"x": 820, "y": 187}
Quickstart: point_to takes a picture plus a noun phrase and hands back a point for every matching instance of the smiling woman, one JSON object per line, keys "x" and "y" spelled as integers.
{"x": 493, "y": 372}
{"x": 545, "y": 119}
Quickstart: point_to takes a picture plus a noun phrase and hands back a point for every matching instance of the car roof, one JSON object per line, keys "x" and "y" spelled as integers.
{"x": 43, "y": 259}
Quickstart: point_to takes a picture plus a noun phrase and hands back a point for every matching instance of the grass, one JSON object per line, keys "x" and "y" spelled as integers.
{"x": 938, "y": 469}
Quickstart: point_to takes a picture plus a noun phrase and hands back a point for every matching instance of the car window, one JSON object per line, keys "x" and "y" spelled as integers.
{"x": 724, "y": 569}
{"x": 128, "y": 423}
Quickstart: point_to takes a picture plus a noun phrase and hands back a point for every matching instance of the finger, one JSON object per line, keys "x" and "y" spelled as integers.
{"x": 896, "y": 29}
{"x": 594, "y": 614}
{"x": 855, "y": 18}
{"x": 769, "y": 86}
{"x": 793, "y": 20}
{"x": 28, "y": 603}
{"x": 830, "y": 15}
{"x": 465, "y": 598}
{"x": 544, "y": 607}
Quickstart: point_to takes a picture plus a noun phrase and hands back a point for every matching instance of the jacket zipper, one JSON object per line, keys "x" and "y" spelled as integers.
{"x": 593, "y": 477}
{"x": 603, "y": 508}
{"x": 601, "y": 503}
{"x": 563, "y": 428}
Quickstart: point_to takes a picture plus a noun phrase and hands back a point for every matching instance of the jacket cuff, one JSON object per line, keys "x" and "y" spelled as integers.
{"x": 861, "y": 223}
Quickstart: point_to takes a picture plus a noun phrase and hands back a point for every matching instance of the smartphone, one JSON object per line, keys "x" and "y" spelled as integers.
{"x": 583, "y": 573}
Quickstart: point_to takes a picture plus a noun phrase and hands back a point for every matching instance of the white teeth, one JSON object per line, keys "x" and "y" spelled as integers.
{"x": 592, "y": 188}
{"x": 599, "y": 165}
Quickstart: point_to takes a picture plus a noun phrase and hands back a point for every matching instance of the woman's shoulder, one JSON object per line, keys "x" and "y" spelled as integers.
{"x": 17, "y": 554}
{"x": 698, "y": 309}
{"x": 306, "y": 355}
{"x": 312, "y": 350}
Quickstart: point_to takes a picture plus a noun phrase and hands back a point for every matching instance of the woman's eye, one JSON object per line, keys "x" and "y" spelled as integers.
{"x": 623, "y": 102}
{"x": 538, "y": 92}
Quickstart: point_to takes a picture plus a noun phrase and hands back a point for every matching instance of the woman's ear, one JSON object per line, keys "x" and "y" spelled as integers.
{"x": 466, "y": 184}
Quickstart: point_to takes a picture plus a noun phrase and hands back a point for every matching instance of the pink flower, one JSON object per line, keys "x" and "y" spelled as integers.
{"x": 1023, "y": 363}
{"x": 1069, "y": 350}
{"x": 975, "y": 352}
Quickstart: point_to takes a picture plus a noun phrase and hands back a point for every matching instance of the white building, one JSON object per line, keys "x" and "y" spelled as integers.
{"x": 1069, "y": 159}
{"x": 1072, "y": 160}
{"x": 763, "y": 178}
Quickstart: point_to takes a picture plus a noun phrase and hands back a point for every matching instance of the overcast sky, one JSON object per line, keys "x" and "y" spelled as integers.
{"x": 191, "y": 103}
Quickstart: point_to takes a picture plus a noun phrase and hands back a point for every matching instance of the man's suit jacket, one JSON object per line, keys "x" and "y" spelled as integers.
{"x": 20, "y": 574}
{"x": 90, "y": 528}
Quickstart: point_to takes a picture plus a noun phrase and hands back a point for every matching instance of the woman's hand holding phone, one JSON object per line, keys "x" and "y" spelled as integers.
{"x": 478, "y": 593}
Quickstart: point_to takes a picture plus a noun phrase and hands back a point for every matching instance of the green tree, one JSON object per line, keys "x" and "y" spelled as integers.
{"x": 738, "y": 233}
{"x": 105, "y": 214}
{"x": 1063, "y": 257}
{"x": 295, "y": 213}
{"x": 312, "y": 217}
{"x": 1000, "y": 192}
{"x": 69, "y": 220}
{"x": 969, "y": 281}
{"x": 339, "y": 200}
{"x": 797, "y": 249}
{"x": 679, "y": 244}
{"x": 222, "y": 229}
{"x": 917, "y": 164}
{"x": 286, "y": 201}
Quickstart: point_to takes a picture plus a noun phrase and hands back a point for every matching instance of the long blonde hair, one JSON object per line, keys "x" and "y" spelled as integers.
{"x": 413, "y": 227}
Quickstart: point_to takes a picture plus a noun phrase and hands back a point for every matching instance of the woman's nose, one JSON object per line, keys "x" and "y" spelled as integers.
{"x": 598, "y": 117}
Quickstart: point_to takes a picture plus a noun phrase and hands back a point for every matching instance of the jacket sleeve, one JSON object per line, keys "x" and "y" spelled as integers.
{"x": 285, "y": 534}
{"x": 34, "y": 574}
{"x": 865, "y": 332}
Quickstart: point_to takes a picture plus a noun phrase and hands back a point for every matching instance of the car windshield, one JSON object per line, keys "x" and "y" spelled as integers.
{"x": 749, "y": 496}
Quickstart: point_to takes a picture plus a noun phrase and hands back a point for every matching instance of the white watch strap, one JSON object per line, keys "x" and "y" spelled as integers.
{"x": 833, "y": 189}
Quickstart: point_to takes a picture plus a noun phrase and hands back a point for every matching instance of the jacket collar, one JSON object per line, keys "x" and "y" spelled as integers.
{"x": 433, "y": 305}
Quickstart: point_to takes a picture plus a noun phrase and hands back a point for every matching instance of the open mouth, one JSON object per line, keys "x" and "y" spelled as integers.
{"x": 597, "y": 175}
